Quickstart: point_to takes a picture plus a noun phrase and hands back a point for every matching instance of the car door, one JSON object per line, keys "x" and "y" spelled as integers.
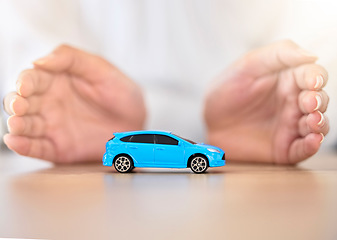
{"x": 168, "y": 152}
{"x": 141, "y": 148}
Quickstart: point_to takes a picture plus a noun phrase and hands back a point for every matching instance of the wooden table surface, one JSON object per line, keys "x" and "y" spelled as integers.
{"x": 238, "y": 201}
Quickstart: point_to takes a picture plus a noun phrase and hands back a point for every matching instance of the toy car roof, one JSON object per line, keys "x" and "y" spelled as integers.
{"x": 143, "y": 132}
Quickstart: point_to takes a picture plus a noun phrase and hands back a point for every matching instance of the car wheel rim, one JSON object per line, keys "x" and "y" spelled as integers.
{"x": 122, "y": 164}
{"x": 198, "y": 164}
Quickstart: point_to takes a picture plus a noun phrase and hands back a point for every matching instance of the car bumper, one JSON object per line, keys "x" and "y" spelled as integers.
{"x": 107, "y": 159}
{"x": 217, "y": 160}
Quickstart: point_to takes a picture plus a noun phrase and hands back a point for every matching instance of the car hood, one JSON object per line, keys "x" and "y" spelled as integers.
{"x": 203, "y": 145}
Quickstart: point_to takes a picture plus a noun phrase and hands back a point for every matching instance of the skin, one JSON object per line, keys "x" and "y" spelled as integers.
{"x": 68, "y": 106}
{"x": 261, "y": 109}
{"x": 268, "y": 106}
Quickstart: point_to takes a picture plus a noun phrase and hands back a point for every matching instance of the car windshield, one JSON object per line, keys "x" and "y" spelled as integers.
{"x": 187, "y": 140}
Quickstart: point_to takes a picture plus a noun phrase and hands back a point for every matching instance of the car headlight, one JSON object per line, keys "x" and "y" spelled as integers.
{"x": 213, "y": 150}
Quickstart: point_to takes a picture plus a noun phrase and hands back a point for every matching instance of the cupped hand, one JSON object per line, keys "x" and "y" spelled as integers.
{"x": 269, "y": 106}
{"x": 69, "y": 105}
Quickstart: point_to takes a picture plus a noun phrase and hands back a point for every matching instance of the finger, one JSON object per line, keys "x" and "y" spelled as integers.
{"x": 8, "y": 102}
{"x": 273, "y": 58}
{"x": 16, "y": 105}
{"x": 305, "y": 147}
{"x": 311, "y": 101}
{"x": 68, "y": 59}
{"x": 30, "y": 126}
{"x": 33, "y": 81}
{"x": 31, "y": 147}
{"x": 315, "y": 122}
{"x": 310, "y": 76}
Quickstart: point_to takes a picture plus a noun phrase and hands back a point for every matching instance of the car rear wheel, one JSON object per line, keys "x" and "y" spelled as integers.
{"x": 123, "y": 164}
{"x": 199, "y": 164}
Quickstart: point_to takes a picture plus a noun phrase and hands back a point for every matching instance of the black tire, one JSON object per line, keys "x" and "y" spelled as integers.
{"x": 199, "y": 164}
{"x": 123, "y": 164}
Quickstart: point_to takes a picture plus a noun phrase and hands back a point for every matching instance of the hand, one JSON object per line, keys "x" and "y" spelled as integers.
{"x": 69, "y": 105}
{"x": 269, "y": 105}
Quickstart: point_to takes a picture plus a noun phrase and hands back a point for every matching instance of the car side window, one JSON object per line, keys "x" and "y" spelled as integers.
{"x": 142, "y": 138}
{"x": 163, "y": 139}
{"x": 126, "y": 139}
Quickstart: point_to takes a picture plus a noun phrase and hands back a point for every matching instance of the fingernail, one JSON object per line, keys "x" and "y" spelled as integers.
{"x": 322, "y": 121}
{"x": 322, "y": 138}
{"x": 45, "y": 59}
{"x": 306, "y": 53}
{"x": 319, "y": 102}
{"x": 18, "y": 87}
{"x": 9, "y": 129}
{"x": 11, "y": 105}
{"x": 319, "y": 82}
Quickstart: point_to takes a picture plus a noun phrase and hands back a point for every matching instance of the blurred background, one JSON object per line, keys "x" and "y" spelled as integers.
{"x": 172, "y": 48}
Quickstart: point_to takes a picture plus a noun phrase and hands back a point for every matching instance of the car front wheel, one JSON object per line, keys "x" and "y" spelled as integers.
{"x": 199, "y": 164}
{"x": 123, "y": 164}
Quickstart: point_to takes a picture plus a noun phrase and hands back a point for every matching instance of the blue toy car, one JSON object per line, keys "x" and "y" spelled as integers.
{"x": 159, "y": 149}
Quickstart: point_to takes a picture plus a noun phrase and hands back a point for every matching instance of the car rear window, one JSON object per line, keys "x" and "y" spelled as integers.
{"x": 162, "y": 139}
{"x": 126, "y": 139}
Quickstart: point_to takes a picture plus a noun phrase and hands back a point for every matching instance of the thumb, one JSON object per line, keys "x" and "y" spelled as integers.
{"x": 74, "y": 61}
{"x": 273, "y": 58}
